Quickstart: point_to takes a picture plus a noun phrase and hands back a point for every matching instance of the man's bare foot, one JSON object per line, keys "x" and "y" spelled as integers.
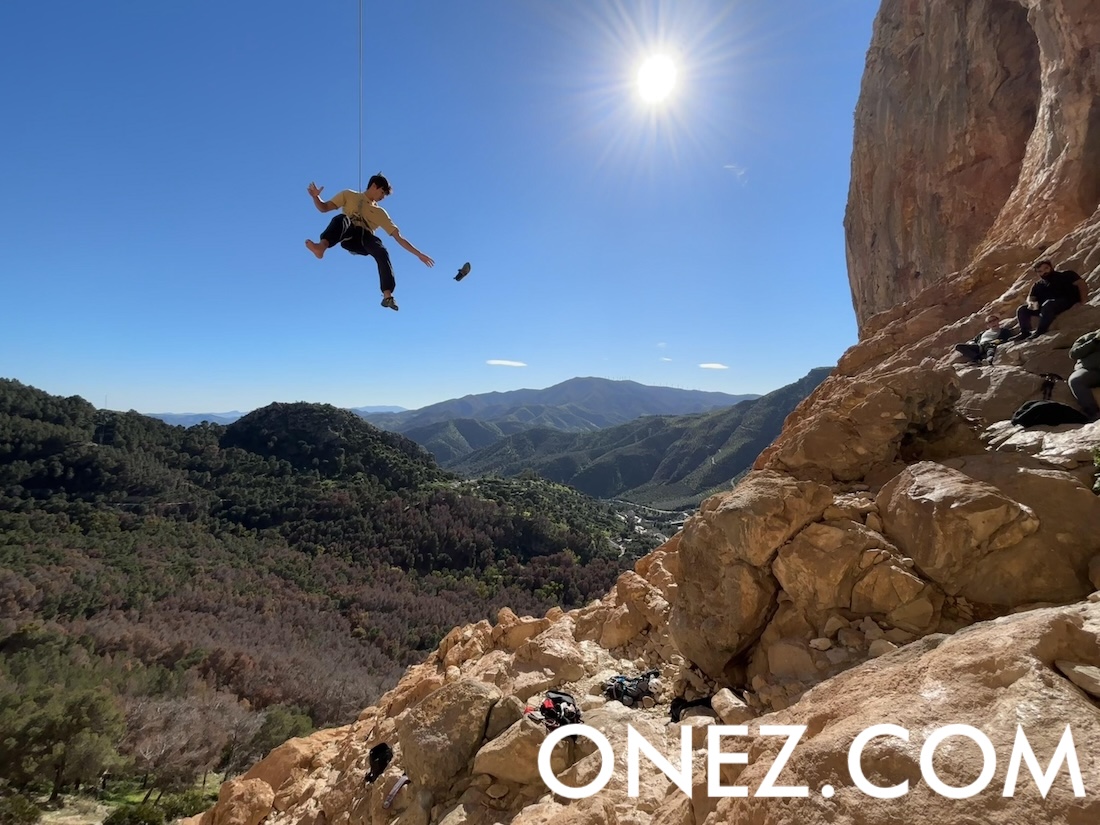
{"x": 316, "y": 248}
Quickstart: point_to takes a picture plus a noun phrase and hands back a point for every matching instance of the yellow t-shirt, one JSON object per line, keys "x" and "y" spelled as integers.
{"x": 364, "y": 211}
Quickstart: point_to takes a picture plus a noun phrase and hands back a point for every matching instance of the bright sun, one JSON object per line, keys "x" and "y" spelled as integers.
{"x": 656, "y": 78}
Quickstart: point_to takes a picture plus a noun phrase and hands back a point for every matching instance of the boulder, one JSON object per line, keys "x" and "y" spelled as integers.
{"x": 441, "y": 734}
{"x": 513, "y": 756}
{"x": 867, "y": 424}
{"x": 949, "y": 523}
{"x": 243, "y": 802}
{"x": 726, "y": 590}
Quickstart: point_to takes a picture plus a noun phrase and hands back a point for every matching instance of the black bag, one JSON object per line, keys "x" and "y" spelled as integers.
{"x": 559, "y": 709}
{"x": 1048, "y": 414}
{"x": 630, "y": 691}
{"x": 379, "y": 758}
{"x": 680, "y": 704}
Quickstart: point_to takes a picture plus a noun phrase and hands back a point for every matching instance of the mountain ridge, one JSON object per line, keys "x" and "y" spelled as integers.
{"x": 663, "y": 461}
{"x": 583, "y": 403}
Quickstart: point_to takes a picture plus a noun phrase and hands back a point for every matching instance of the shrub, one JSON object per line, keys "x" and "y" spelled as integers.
{"x": 188, "y": 803}
{"x": 18, "y": 810}
{"x": 143, "y": 814}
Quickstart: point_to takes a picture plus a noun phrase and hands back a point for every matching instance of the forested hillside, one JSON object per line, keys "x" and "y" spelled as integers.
{"x": 670, "y": 462}
{"x": 292, "y": 562}
{"x": 576, "y": 405}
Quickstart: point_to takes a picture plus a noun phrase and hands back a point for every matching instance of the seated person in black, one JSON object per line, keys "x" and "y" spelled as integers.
{"x": 982, "y": 345}
{"x": 1050, "y": 296}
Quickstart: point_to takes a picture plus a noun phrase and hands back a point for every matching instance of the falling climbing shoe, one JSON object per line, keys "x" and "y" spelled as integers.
{"x": 463, "y": 272}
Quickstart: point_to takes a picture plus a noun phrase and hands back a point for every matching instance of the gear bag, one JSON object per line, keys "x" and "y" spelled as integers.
{"x": 630, "y": 691}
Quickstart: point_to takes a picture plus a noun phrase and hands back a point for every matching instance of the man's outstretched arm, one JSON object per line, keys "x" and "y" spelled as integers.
{"x": 315, "y": 193}
{"x": 424, "y": 258}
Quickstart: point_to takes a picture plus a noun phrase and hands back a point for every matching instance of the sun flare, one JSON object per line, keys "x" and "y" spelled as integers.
{"x": 656, "y": 78}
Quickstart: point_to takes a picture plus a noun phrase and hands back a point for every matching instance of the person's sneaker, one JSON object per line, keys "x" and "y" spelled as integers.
{"x": 463, "y": 272}
{"x": 1023, "y": 336}
{"x": 389, "y": 303}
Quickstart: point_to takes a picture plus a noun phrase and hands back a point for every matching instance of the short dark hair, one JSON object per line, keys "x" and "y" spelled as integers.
{"x": 380, "y": 181}
{"x": 1037, "y": 265}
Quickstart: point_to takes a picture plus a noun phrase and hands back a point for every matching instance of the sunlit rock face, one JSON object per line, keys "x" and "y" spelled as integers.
{"x": 978, "y": 126}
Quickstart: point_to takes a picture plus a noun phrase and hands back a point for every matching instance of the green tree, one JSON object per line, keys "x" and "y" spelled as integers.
{"x": 78, "y": 735}
{"x": 280, "y": 724}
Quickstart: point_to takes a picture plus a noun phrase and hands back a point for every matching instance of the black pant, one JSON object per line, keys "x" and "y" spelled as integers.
{"x": 360, "y": 241}
{"x": 1047, "y": 312}
{"x": 1081, "y": 383}
{"x": 973, "y": 352}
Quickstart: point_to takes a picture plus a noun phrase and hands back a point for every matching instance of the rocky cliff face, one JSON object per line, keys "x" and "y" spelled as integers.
{"x": 901, "y": 554}
{"x": 978, "y": 127}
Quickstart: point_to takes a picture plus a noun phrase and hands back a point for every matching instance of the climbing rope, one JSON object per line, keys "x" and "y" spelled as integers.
{"x": 360, "y": 95}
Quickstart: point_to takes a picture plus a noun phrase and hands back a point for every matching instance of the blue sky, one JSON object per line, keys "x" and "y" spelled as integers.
{"x": 155, "y": 159}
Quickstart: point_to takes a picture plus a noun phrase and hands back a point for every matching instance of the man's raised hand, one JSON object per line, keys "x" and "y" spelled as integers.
{"x": 315, "y": 190}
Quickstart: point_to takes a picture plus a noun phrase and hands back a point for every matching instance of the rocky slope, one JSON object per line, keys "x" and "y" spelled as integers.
{"x": 901, "y": 554}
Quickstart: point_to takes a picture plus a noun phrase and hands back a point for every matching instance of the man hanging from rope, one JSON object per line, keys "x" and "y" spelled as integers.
{"x": 354, "y": 229}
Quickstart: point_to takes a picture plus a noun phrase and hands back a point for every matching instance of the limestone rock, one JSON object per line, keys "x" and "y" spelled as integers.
{"x": 624, "y": 623}
{"x": 849, "y": 637}
{"x": 731, "y": 709}
{"x": 871, "y": 629}
{"x": 504, "y": 714}
{"x": 906, "y": 600}
{"x": 511, "y": 631}
{"x": 473, "y": 641}
{"x": 982, "y": 678}
{"x": 631, "y": 589}
{"x": 971, "y": 108}
{"x": 243, "y": 802}
{"x": 833, "y": 624}
{"x": 860, "y": 431}
{"x": 698, "y": 720}
{"x": 662, "y": 567}
{"x": 513, "y": 756}
{"x": 1068, "y": 448}
{"x": 442, "y": 733}
{"x": 555, "y": 649}
{"x": 726, "y": 589}
{"x": 1051, "y": 564}
{"x": 819, "y": 566}
{"x": 880, "y": 647}
{"x": 278, "y": 765}
{"x": 788, "y": 659}
{"x": 1086, "y": 677}
{"x": 948, "y": 522}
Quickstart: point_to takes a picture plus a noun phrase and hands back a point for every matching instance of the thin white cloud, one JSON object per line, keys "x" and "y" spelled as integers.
{"x": 665, "y": 359}
{"x": 738, "y": 172}
{"x": 661, "y": 345}
{"x": 713, "y": 367}
{"x": 497, "y": 362}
